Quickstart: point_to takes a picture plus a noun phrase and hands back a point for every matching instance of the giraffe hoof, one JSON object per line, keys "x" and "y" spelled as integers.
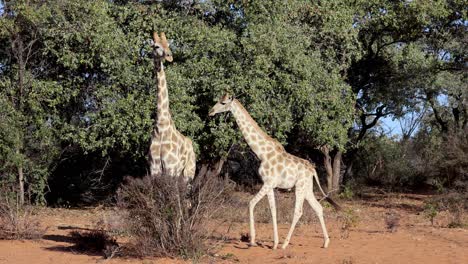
{"x": 284, "y": 246}
{"x": 275, "y": 247}
{"x": 253, "y": 244}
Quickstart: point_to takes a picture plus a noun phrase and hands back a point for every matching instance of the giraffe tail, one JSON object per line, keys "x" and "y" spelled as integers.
{"x": 328, "y": 199}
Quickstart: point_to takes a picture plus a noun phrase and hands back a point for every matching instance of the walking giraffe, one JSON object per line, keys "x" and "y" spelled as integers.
{"x": 278, "y": 169}
{"x": 170, "y": 152}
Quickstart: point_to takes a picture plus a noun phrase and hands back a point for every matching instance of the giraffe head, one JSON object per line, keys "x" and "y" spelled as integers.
{"x": 161, "y": 47}
{"x": 223, "y": 105}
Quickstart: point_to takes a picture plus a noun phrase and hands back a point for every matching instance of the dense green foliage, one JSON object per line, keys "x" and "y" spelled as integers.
{"x": 77, "y": 91}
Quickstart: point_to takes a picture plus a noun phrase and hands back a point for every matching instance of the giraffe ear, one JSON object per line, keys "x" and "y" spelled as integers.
{"x": 164, "y": 41}
{"x": 156, "y": 38}
{"x": 227, "y": 97}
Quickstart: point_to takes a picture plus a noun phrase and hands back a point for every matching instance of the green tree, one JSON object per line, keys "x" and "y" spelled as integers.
{"x": 286, "y": 80}
{"x": 403, "y": 46}
{"x": 28, "y": 142}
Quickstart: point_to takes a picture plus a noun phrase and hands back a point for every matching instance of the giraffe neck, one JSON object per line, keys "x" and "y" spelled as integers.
{"x": 163, "y": 119}
{"x": 256, "y": 138}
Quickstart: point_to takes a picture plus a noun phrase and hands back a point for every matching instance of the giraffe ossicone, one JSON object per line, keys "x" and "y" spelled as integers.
{"x": 170, "y": 153}
{"x": 278, "y": 169}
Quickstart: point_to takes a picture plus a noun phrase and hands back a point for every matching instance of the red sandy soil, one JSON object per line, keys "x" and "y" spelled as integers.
{"x": 415, "y": 240}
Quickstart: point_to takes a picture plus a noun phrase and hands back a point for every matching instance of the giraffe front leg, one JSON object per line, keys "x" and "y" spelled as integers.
{"x": 155, "y": 155}
{"x": 263, "y": 191}
{"x": 155, "y": 167}
{"x": 271, "y": 200}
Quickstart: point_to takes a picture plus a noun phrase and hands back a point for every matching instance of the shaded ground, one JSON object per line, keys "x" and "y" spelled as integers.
{"x": 369, "y": 241}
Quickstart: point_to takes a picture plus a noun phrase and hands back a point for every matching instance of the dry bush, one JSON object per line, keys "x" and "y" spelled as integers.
{"x": 431, "y": 211}
{"x": 349, "y": 219}
{"x": 97, "y": 241}
{"x": 392, "y": 221}
{"x": 17, "y": 222}
{"x": 166, "y": 218}
{"x": 456, "y": 204}
{"x": 113, "y": 222}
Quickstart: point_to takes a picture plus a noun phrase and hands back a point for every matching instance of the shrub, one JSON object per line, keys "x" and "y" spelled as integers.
{"x": 455, "y": 203}
{"x": 168, "y": 219}
{"x": 392, "y": 222}
{"x": 347, "y": 193}
{"x": 431, "y": 211}
{"x": 387, "y": 162}
{"x": 17, "y": 222}
{"x": 349, "y": 219}
{"x": 444, "y": 159}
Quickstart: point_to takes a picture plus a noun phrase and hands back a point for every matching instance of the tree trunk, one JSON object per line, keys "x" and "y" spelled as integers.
{"x": 348, "y": 171}
{"x": 337, "y": 171}
{"x": 21, "y": 185}
{"x": 19, "y": 169}
{"x": 333, "y": 169}
{"x": 18, "y": 50}
{"x": 212, "y": 169}
{"x": 327, "y": 162}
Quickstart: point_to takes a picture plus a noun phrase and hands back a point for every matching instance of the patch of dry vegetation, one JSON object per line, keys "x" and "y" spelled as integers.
{"x": 455, "y": 204}
{"x": 392, "y": 221}
{"x": 165, "y": 218}
{"x": 349, "y": 219}
{"x": 17, "y": 222}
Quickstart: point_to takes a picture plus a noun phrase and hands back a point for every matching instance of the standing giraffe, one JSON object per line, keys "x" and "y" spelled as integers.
{"x": 278, "y": 169}
{"x": 170, "y": 152}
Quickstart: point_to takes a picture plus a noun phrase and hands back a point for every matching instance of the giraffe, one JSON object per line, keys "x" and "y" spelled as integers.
{"x": 278, "y": 169}
{"x": 170, "y": 152}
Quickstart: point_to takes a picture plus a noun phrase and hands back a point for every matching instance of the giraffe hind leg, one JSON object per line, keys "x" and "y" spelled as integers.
{"x": 297, "y": 212}
{"x": 190, "y": 166}
{"x": 319, "y": 211}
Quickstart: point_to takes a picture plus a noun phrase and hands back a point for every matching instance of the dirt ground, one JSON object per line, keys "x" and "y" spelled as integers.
{"x": 367, "y": 240}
